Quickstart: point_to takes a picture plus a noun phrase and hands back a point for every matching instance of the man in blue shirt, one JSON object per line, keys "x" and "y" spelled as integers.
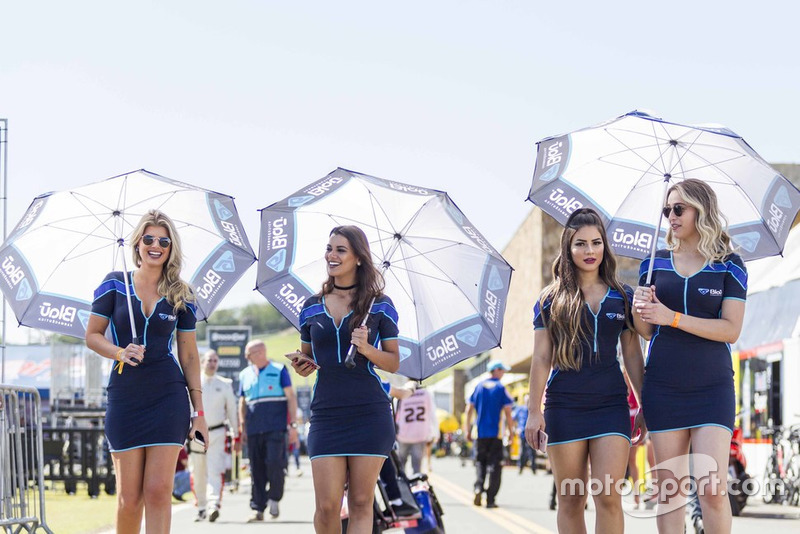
{"x": 266, "y": 403}
{"x": 489, "y": 399}
{"x": 526, "y": 452}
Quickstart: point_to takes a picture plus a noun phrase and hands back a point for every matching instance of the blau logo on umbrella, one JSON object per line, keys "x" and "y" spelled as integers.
{"x": 748, "y": 241}
{"x": 299, "y": 201}
{"x": 222, "y": 212}
{"x": 24, "y": 292}
{"x": 470, "y": 335}
{"x": 782, "y": 198}
{"x": 225, "y": 263}
{"x": 551, "y": 173}
{"x": 278, "y": 261}
{"x": 405, "y": 352}
{"x": 83, "y": 316}
{"x": 495, "y": 280}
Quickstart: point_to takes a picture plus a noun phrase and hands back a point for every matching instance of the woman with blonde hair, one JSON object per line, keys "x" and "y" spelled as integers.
{"x": 148, "y": 417}
{"x": 691, "y": 313}
{"x": 579, "y": 320}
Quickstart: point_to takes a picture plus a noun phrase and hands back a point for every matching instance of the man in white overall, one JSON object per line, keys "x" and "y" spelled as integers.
{"x": 221, "y": 412}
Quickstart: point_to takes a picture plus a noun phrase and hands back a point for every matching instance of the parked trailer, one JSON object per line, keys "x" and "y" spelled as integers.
{"x": 21, "y": 461}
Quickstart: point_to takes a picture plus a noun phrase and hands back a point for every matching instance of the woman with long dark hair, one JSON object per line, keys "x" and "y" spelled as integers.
{"x": 691, "y": 313}
{"x": 352, "y": 429}
{"x": 579, "y": 320}
{"x": 148, "y": 417}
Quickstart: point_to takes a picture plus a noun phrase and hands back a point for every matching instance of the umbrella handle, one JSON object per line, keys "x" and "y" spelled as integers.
{"x": 350, "y": 360}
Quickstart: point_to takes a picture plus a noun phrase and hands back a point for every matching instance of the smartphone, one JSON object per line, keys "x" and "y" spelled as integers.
{"x": 294, "y": 356}
{"x": 198, "y": 438}
{"x": 542, "y": 441}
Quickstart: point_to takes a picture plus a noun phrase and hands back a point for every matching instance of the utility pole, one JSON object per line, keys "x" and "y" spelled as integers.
{"x": 4, "y": 208}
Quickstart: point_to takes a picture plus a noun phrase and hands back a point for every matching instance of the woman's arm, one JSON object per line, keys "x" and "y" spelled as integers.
{"x": 387, "y": 359}
{"x": 641, "y": 296}
{"x": 190, "y": 363}
{"x": 726, "y": 329}
{"x": 96, "y": 341}
{"x": 634, "y": 365}
{"x": 541, "y": 363}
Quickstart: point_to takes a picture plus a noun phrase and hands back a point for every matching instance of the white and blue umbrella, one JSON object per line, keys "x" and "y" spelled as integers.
{"x": 67, "y": 241}
{"x": 622, "y": 169}
{"x": 448, "y": 283}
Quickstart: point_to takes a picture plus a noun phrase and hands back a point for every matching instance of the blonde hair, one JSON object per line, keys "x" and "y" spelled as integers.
{"x": 567, "y": 325}
{"x": 170, "y": 286}
{"x": 712, "y": 225}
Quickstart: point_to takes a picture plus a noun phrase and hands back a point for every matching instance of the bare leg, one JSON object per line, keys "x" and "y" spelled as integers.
{"x": 159, "y": 472}
{"x": 608, "y": 456}
{"x": 330, "y": 476}
{"x": 570, "y": 465}
{"x": 633, "y": 471}
{"x": 129, "y": 469}
{"x": 673, "y": 448}
{"x": 363, "y": 476}
{"x": 715, "y": 442}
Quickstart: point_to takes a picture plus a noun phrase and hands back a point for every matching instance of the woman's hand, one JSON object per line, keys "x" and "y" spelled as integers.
{"x": 532, "y": 427}
{"x": 639, "y": 429}
{"x": 199, "y": 425}
{"x": 132, "y": 354}
{"x": 652, "y": 311}
{"x": 301, "y": 363}
{"x": 360, "y": 339}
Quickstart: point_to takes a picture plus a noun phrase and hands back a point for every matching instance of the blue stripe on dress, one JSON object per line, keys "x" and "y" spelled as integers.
{"x": 311, "y": 311}
{"x": 386, "y": 309}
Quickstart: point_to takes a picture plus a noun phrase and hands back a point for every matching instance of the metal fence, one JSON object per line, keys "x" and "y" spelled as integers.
{"x": 21, "y": 461}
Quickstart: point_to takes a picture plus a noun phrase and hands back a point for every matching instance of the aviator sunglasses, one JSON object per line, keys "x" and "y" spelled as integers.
{"x": 677, "y": 208}
{"x": 163, "y": 242}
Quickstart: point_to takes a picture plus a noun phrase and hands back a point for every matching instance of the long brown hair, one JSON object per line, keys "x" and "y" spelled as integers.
{"x": 369, "y": 280}
{"x": 170, "y": 286}
{"x": 711, "y": 223}
{"x": 567, "y": 326}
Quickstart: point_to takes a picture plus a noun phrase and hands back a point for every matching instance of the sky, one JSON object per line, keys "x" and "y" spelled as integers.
{"x": 258, "y": 98}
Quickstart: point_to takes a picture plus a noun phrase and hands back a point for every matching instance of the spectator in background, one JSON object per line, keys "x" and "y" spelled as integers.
{"x": 267, "y": 399}
{"x": 526, "y": 452}
{"x": 209, "y": 466}
{"x": 183, "y": 480}
{"x": 417, "y": 426}
{"x": 489, "y": 400}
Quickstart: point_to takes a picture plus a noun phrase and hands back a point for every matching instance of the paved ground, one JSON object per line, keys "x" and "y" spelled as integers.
{"x": 523, "y": 501}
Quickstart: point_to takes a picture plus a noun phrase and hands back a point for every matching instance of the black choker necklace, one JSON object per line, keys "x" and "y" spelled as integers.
{"x": 345, "y": 288}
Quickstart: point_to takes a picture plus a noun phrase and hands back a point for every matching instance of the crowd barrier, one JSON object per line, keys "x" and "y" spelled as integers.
{"x": 21, "y": 461}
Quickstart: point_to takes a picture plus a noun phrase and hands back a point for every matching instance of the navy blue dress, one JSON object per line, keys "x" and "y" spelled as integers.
{"x": 688, "y": 380}
{"x": 351, "y": 413}
{"x": 147, "y": 404}
{"x": 593, "y": 401}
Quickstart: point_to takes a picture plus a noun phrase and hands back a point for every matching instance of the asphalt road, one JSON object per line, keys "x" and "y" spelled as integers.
{"x": 523, "y": 507}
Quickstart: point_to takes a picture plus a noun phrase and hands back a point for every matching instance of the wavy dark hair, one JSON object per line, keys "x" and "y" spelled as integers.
{"x": 369, "y": 280}
{"x": 567, "y": 325}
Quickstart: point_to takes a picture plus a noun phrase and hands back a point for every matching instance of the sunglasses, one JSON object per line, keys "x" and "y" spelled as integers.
{"x": 677, "y": 208}
{"x": 163, "y": 242}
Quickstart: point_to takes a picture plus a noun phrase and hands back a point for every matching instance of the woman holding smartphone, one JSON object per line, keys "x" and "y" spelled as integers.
{"x": 352, "y": 429}
{"x": 691, "y": 312}
{"x": 148, "y": 414}
{"x": 578, "y": 320}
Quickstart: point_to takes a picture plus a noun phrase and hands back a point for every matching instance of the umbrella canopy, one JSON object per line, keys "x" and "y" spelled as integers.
{"x": 448, "y": 283}
{"x": 68, "y": 241}
{"x": 623, "y": 167}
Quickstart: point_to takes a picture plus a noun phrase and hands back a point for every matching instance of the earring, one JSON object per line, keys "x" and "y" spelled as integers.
{"x": 358, "y": 264}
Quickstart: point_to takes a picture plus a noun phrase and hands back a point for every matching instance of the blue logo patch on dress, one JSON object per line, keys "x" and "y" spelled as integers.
{"x": 614, "y": 315}
{"x": 167, "y": 317}
{"x": 703, "y": 291}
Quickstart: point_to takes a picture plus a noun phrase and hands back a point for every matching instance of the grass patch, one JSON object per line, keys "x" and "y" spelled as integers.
{"x": 79, "y": 513}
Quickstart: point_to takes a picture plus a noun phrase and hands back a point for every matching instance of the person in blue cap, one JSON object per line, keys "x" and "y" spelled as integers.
{"x": 488, "y": 401}
{"x": 691, "y": 312}
{"x": 579, "y": 320}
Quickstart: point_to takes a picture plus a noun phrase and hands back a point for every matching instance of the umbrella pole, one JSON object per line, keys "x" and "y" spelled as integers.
{"x": 658, "y": 231}
{"x": 350, "y": 360}
{"x": 135, "y": 340}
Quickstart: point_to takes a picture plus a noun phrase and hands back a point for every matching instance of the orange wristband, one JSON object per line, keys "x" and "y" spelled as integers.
{"x": 676, "y": 319}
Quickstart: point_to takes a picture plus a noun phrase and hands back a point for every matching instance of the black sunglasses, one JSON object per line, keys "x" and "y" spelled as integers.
{"x": 163, "y": 242}
{"x": 677, "y": 208}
